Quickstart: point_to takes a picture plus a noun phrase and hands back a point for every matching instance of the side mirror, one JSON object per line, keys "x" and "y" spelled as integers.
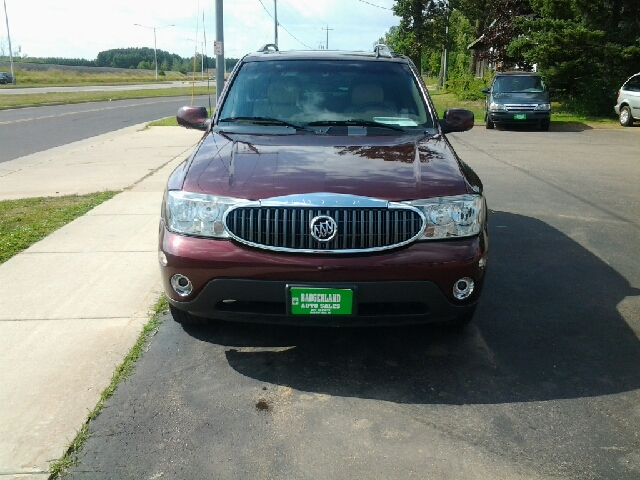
{"x": 486, "y": 90}
{"x": 457, "y": 120}
{"x": 193, "y": 117}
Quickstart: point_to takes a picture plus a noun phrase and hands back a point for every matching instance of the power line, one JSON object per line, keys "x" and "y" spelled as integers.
{"x": 279, "y": 24}
{"x": 315, "y": 19}
{"x": 368, "y": 3}
{"x": 265, "y": 9}
{"x": 295, "y": 37}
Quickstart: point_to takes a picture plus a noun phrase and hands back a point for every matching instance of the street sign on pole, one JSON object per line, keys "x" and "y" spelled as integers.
{"x": 218, "y": 48}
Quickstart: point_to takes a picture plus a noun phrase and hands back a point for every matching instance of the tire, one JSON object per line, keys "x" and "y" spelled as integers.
{"x": 489, "y": 124}
{"x": 185, "y": 318}
{"x": 544, "y": 126}
{"x": 626, "y": 120}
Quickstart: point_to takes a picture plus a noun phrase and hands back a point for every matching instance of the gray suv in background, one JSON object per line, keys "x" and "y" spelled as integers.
{"x": 517, "y": 98}
{"x": 628, "y": 106}
{"x": 6, "y": 77}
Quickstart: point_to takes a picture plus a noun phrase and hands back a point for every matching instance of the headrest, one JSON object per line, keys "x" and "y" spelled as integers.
{"x": 285, "y": 92}
{"x": 366, "y": 93}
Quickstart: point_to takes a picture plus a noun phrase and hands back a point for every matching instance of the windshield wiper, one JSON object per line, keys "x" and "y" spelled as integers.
{"x": 265, "y": 121}
{"x": 355, "y": 123}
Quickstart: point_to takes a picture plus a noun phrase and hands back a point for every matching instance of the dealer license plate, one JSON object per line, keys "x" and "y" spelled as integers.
{"x": 520, "y": 116}
{"x": 321, "y": 301}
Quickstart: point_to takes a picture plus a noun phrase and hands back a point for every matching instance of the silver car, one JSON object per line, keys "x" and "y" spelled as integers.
{"x": 628, "y": 106}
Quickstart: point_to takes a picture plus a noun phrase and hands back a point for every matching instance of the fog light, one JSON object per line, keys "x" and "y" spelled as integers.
{"x": 463, "y": 288}
{"x": 162, "y": 258}
{"x": 181, "y": 285}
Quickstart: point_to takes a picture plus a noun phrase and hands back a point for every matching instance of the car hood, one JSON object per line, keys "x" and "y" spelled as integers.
{"x": 394, "y": 167}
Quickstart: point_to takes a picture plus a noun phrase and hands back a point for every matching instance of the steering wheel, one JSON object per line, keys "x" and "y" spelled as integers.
{"x": 374, "y": 106}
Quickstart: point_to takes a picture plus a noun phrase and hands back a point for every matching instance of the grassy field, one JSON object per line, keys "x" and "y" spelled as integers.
{"x": 27, "y": 78}
{"x": 26, "y": 221}
{"x": 79, "y": 97}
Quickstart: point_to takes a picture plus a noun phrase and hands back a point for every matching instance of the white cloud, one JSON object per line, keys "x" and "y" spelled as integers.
{"x": 81, "y": 29}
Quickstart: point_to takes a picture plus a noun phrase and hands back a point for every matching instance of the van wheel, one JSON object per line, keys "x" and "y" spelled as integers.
{"x": 185, "y": 318}
{"x": 488, "y": 123}
{"x": 626, "y": 120}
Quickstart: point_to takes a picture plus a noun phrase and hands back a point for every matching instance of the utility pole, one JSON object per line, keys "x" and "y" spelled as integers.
{"x": 13, "y": 78}
{"x": 327, "y": 29}
{"x": 155, "y": 49}
{"x": 275, "y": 17}
{"x": 445, "y": 51}
{"x": 219, "y": 50}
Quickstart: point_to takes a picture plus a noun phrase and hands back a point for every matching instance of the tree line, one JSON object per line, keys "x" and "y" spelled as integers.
{"x": 135, "y": 58}
{"x": 585, "y": 48}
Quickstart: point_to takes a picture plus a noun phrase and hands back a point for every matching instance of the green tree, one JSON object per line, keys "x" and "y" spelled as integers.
{"x": 418, "y": 29}
{"x": 585, "y": 48}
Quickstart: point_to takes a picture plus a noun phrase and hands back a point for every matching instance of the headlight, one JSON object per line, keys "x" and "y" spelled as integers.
{"x": 543, "y": 106}
{"x": 197, "y": 214}
{"x": 497, "y": 107}
{"x": 446, "y": 217}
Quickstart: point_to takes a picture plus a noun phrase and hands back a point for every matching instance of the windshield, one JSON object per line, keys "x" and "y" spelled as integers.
{"x": 329, "y": 93}
{"x": 518, "y": 83}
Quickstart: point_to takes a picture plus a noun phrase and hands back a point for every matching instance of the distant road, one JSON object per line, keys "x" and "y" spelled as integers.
{"x": 101, "y": 88}
{"x": 30, "y": 130}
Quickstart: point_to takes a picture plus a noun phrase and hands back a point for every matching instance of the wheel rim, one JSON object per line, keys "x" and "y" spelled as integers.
{"x": 624, "y": 115}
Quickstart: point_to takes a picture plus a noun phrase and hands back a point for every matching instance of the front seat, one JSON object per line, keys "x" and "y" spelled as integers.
{"x": 367, "y": 101}
{"x": 282, "y": 101}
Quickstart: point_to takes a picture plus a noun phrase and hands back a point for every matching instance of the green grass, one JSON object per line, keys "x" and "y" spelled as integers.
{"x": 53, "y": 77}
{"x": 26, "y": 221}
{"x": 79, "y": 97}
{"x": 70, "y": 458}
{"x": 165, "y": 122}
{"x": 443, "y": 101}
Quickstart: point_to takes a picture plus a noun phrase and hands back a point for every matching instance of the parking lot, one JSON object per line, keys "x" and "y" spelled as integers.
{"x": 543, "y": 384}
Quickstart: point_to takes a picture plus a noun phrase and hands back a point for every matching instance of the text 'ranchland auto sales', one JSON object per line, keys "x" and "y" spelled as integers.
{"x": 320, "y": 297}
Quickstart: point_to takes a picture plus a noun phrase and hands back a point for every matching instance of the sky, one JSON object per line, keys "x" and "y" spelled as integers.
{"x": 82, "y": 29}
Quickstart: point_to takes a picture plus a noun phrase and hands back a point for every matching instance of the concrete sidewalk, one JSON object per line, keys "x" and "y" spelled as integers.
{"x": 74, "y": 303}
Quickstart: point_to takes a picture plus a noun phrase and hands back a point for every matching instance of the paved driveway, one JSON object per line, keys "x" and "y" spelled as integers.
{"x": 544, "y": 384}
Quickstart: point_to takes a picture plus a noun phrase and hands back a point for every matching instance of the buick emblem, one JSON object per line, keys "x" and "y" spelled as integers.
{"x": 323, "y": 228}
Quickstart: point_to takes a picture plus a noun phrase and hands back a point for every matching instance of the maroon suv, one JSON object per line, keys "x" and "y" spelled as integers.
{"x": 324, "y": 192}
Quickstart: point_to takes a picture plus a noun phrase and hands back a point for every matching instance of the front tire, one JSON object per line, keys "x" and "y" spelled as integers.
{"x": 626, "y": 120}
{"x": 185, "y": 318}
{"x": 488, "y": 123}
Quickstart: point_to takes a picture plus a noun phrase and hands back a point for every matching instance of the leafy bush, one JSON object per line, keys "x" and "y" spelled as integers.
{"x": 467, "y": 86}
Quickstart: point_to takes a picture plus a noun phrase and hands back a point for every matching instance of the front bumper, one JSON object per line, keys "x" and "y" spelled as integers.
{"x": 408, "y": 285}
{"x": 531, "y": 117}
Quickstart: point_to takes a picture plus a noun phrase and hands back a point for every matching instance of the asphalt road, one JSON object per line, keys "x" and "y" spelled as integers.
{"x": 545, "y": 383}
{"x": 28, "y": 130}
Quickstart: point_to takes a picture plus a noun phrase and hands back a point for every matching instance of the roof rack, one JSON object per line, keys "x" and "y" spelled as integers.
{"x": 382, "y": 49}
{"x": 269, "y": 47}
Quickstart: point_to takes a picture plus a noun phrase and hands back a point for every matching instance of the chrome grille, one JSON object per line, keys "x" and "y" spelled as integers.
{"x": 513, "y": 107}
{"x": 288, "y": 228}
